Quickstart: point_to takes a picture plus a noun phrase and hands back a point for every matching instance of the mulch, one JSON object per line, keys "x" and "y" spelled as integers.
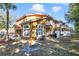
{"x": 6, "y": 42}
{"x": 3, "y": 42}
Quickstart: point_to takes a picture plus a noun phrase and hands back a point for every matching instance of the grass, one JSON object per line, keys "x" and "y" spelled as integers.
{"x": 75, "y": 36}
{"x": 74, "y": 46}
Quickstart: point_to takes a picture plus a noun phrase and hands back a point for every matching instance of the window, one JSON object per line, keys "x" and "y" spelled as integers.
{"x": 26, "y": 30}
{"x": 26, "y": 26}
{"x": 39, "y": 30}
{"x": 39, "y": 33}
{"x": 39, "y": 26}
{"x": 26, "y": 34}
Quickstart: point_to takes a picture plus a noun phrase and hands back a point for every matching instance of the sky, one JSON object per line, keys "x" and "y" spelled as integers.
{"x": 56, "y": 10}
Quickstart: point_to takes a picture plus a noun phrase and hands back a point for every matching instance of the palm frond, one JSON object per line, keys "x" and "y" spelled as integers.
{"x": 9, "y": 6}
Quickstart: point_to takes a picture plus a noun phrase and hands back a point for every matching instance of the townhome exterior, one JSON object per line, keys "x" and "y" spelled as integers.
{"x": 34, "y": 26}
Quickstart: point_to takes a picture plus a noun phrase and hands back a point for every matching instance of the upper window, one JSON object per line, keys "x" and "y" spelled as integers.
{"x": 26, "y": 26}
{"x": 39, "y": 26}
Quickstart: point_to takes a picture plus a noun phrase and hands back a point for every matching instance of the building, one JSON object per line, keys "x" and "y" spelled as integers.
{"x": 34, "y": 26}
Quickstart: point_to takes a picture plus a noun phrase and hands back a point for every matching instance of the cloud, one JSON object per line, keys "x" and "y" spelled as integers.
{"x": 38, "y": 8}
{"x": 56, "y": 8}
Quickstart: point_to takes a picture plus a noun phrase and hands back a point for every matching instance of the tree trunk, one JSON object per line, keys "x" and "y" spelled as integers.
{"x": 7, "y": 27}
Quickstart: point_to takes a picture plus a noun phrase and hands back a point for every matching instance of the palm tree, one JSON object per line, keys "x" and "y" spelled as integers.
{"x": 7, "y": 7}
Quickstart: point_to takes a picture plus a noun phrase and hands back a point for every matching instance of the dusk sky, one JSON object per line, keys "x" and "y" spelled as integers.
{"x": 56, "y": 10}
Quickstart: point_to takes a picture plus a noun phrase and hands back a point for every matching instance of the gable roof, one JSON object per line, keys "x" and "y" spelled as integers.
{"x": 37, "y": 15}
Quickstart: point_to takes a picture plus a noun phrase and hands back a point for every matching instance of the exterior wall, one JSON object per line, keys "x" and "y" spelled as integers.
{"x": 11, "y": 30}
{"x": 57, "y": 24}
{"x": 32, "y": 18}
{"x": 19, "y": 22}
